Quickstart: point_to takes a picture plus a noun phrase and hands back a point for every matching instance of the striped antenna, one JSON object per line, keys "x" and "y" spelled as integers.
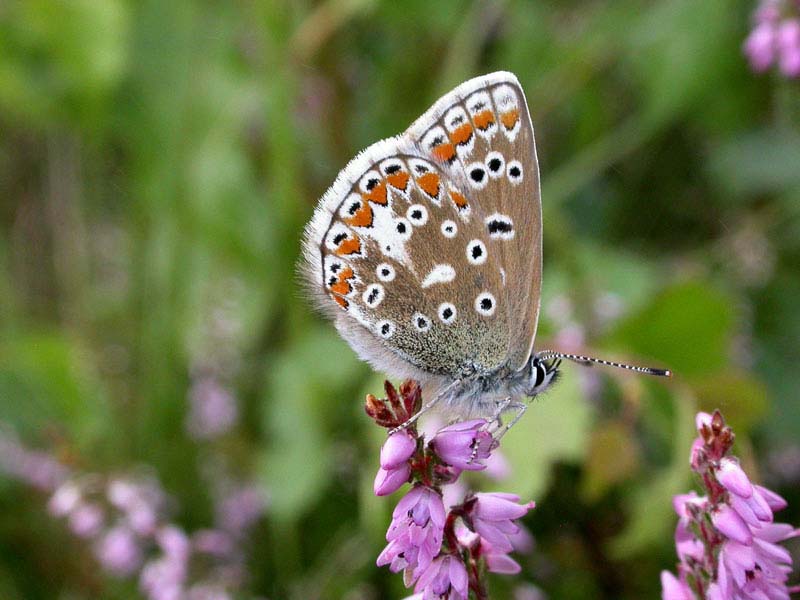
{"x": 588, "y": 360}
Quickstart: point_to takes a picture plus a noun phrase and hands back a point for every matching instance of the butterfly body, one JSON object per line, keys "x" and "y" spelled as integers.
{"x": 426, "y": 251}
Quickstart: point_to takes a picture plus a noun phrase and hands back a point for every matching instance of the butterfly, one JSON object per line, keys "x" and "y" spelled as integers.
{"x": 427, "y": 253}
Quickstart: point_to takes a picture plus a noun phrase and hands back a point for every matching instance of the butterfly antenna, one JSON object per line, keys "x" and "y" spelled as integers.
{"x": 588, "y": 360}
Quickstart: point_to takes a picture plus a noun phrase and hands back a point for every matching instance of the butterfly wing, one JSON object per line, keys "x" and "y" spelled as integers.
{"x": 398, "y": 256}
{"x": 481, "y": 133}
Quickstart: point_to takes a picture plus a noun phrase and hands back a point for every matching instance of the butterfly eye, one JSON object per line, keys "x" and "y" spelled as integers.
{"x": 496, "y": 164}
{"x": 485, "y": 304}
{"x": 447, "y": 313}
{"x": 385, "y": 329}
{"x": 373, "y": 295}
{"x": 514, "y": 172}
{"x": 449, "y": 229}
{"x": 421, "y": 322}
{"x": 385, "y": 272}
{"x": 417, "y": 214}
{"x": 476, "y": 252}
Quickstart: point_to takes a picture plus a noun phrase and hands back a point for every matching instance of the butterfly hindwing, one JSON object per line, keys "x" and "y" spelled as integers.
{"x": 481, "y": 133}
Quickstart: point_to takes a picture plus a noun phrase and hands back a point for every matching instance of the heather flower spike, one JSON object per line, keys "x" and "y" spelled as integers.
{"x": 726, "y": 540}
{"x": 775, "y": 38}
{"x": 442, "y": 553}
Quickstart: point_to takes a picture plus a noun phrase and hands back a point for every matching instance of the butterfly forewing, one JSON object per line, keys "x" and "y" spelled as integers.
{"x": 427, "y": 248}
{"x": 481, "y": 134}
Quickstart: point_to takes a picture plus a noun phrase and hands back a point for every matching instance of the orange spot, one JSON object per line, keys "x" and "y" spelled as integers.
{"x": 377, "y": 194}
{"x": 398, "y": 180}
{"x": 342, "y": 285}
{"x": 362, "y": 217}
{"x": 347, "y": 247}
{"x": 459, "y": 199}
{"x": 445, "y": 152}
{"x": 484, "y": 120}
{"x": 340, "y": 301}
{"x": 462, "y": 135}
{"x": 429, "y": 183}
{"x": 510, "y": 118}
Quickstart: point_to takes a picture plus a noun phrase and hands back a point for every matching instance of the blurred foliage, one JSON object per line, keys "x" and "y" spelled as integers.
{"x": 158, "y": 161}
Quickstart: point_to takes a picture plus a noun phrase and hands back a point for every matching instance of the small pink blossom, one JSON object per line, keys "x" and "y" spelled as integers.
{"x": 415, "y": 534}
{"x": 445, "y": 577}
{"x": 463, "y": 445}
{"x": 388, "y": 481}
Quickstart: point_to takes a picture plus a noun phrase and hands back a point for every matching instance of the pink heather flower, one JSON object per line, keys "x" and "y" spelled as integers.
{"x": 213, "y": 410}
{"x": 65, "y": 499}
{"x": 760, "y": 47}
{"x": 415, "y": 534}
{"x": 737, "y": 556}
{"x": 397, "y": 449}
{"x": 493, "y": 514}
{"x": 498, "y": 561}
{"x": 788, "y": 44}
{"x": 456, "y": 444}
{"x": 445, "y": 577}
{"x": 86, "y": 520}
{"x": 388, "y": 481}
{"x": 240, "y": 509}
{"x": 775, "y": 37}
{"x": 673, "y": 588}
{"x": 119, "y": 552}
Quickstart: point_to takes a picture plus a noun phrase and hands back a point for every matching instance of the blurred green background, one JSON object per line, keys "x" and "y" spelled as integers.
{"x": 158, "y": 161}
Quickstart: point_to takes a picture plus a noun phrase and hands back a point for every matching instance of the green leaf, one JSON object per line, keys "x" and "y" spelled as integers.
{"x": 688, "y": 328}
{"x": 650, "y": 506}
{"x": 555, "y": 428}
{"x": 613, "y": 457}
{"x": 764, "y": 161}
{"x": 47, "y": 380}
{"x": 300, "y": 398}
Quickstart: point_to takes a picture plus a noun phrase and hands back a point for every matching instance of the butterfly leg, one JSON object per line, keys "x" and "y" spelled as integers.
{"x": 520, "y": 407}
{"x": 425, "y": 408}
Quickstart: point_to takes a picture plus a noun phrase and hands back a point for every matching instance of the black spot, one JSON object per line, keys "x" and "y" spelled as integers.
{"x": 499, "y": 226}
{"x": 339, "y": 238}
{"x": 477, "y": 251}
{"x": 372, "y": 183}
{"x": 457, "y": 121}
{"x": 354, "y": 207}
{"x": 385, "y": 272}
{"x": 449, "y": 229}
{"x": 401, "y": 228}
{"x": 385, "y": 328}
{"x": 421, "y": 169}
{"x": 478, "y": 106}
{"x": 437, "y": 140}
{"x": 477, "y": 175}
{"x": 388, "y": 248}
{"x": 495, "y": 164}
{"x": 514, "y": 171}
{"x": 421, "y": 322}
{"x": 332, "y": 280}
{"x": 416, "y": 214}
{"x": 447, "y": 313}
{"x": 373, "y": 295}
{"x": 392, "y": 169}
{"x": 335, "y": 267}
{"x": 486, "y": 304}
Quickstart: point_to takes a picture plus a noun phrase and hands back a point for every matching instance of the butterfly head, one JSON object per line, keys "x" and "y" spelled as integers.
{"x": 541, "y": 374}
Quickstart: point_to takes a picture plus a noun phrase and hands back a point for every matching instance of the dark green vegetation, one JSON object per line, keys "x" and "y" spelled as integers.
{"x": 158, "y": 161}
